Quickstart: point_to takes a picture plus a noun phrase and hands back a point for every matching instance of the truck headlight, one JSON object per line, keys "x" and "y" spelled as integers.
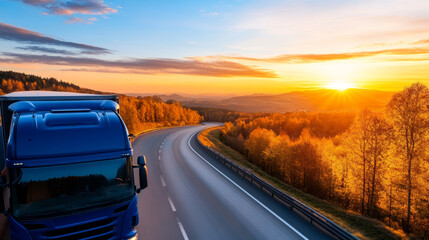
{"x": 136, "y": 237}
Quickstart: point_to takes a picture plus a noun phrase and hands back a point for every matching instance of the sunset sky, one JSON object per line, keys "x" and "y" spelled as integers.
{"x": 218, "y": 47}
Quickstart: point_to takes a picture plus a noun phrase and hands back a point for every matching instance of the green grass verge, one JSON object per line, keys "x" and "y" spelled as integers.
{"x": 360, "y": 226}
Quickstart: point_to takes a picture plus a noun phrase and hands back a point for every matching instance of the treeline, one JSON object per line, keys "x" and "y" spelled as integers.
{"x": 13, "y": 81}
{"x": 221, "y": 115}
{"x": 138, "y": 113}
{"x": 292, "y": 124}
{"x": 375, "y": 163}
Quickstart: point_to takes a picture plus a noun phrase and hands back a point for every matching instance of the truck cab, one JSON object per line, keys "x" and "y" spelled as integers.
{"x": 68, "y": 167}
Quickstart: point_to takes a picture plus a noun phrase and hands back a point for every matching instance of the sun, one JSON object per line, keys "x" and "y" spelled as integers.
{"x": 339, "y": 85}
{"x": 339, "y": 75}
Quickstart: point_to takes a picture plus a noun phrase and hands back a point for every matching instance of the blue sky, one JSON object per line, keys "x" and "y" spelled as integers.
{"x": 216, "y": 46}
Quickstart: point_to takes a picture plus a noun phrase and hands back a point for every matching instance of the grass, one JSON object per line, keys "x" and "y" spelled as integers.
{"x": 149, "y": 130}
{"x": 360, "y": 226}
{"x": 152, "y": 128}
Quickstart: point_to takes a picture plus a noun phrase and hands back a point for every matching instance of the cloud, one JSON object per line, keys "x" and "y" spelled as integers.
{"x": 12, "y": 33}
{"x": 308, "y": 58}
{"x": 423, "y": 41}
{"x": 216, "y": 68}
{"x": 145, "y": 66}
{"x": 81, "y": 20}
{"x": 69, "y": 7}
{"x": 212, "y": 14}
{"x": 205, "y": 13}
{"x": 76, "y": 20}
{"x": 46, "y": 50}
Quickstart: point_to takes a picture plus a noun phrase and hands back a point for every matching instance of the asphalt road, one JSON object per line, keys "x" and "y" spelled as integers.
{"x": 192, "y": 196}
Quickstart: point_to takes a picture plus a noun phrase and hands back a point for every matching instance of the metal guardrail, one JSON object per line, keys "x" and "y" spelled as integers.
{"x": 305, "y": 211}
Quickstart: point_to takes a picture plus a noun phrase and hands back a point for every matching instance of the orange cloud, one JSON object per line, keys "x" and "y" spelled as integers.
{"x": 308, "y": 58}
{"x": 144, "y": 66}
{"x": 424, "y": 41}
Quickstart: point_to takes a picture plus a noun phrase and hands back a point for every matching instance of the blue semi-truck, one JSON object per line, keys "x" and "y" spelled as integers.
{"x": 67, "y": 167}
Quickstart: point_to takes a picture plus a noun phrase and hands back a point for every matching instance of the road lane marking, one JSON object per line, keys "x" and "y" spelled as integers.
{"x": 171, "y": 204}
{"x": 248, "y": 194}
{"x": 162, "y": 181}
{"x": 159, "y": 157}
{"x": 182, "y": 229}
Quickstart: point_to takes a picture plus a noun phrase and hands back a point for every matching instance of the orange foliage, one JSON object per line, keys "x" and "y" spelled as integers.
{"x": 137, "y": 112}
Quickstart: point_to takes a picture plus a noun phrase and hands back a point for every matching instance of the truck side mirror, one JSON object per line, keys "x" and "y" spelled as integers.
{"x": 141, "y": 161}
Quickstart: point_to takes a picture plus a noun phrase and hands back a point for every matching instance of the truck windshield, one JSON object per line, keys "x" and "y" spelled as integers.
{"x": 55, "y": 190}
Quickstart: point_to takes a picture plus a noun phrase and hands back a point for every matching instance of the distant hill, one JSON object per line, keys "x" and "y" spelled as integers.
{"x": 308, "y": 101}
{"x": 175, "y": 97}
{"x": 164, "y": 97}
{"x": 185, "y": 97}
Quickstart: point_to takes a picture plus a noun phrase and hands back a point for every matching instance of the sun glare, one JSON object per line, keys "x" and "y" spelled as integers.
{"x": 339, "y": 75}
{"x": 339, "y": 85}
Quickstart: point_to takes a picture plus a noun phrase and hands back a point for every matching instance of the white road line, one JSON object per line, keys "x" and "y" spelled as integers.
{"x": 248, "y": 194}
{"x": 171, "y": 204}
{"x": 161, "y": 146}
{"x": 159, "y": 151}
{"x": 182, "y": 229}
{"x": 159, "y": 157}
{"x": 162, "y": 181}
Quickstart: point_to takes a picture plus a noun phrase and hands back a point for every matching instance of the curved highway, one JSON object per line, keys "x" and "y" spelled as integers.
{"x": 192, "y": 196}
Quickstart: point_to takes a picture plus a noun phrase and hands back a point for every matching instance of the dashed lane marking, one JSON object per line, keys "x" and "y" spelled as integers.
{"x": 162, "y": 181}
{"x": 182, "y": 229}
{"x": 171, "y": 204}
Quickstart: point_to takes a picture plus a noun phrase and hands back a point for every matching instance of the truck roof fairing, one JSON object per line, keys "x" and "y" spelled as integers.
{"x": 55, "y": 129}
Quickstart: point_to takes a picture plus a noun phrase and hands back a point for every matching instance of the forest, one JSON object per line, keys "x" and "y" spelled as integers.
{"x": 138, "y": 113}
{"x": 375, "y": 163}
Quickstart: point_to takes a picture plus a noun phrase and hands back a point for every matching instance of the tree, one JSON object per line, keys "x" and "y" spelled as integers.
{"x": 277, "y": 155}
{"x": 258, "y": 141}
{"x": 408, "y": 111}
{"x": 379, "y": 139}
{"x": 357, "y": 141}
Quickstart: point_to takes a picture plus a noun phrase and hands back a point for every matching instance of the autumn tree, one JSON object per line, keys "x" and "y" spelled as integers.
{"x": 357, "y": 141}
{"x": 337, "y": 172}
{"x": 379, "y": 139}
{"x": 258, "y": 141}
{"x": 278, "y": 157}
{"x": 309, "y": 166}
{"x": 408, "y": 111}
